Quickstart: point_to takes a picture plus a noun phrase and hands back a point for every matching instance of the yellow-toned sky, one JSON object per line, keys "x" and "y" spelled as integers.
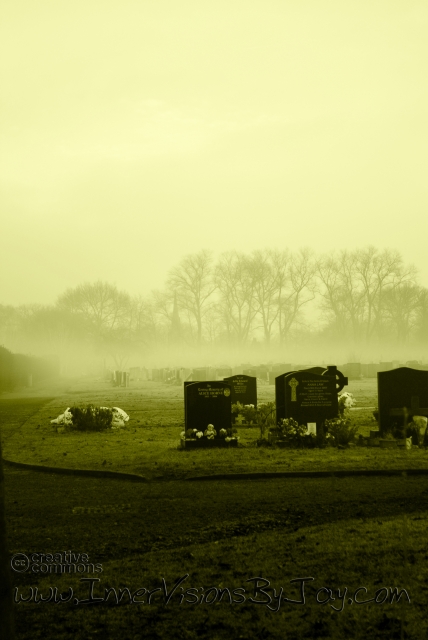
{"x": 135, "y": 132}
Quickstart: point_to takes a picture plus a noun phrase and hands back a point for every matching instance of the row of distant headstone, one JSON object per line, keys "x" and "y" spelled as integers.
{"x": 120, "y": 378}
{"x": 310, "y": 396}
{"x": 267, "y": 373}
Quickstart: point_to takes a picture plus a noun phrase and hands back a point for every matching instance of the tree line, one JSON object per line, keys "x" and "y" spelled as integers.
{"x": 360, "y": 297}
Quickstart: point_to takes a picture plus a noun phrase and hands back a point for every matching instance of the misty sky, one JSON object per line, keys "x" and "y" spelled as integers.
{"x": 133, "y": 133}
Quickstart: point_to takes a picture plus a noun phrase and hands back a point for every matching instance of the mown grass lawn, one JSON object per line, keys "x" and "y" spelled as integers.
{"x": 149, "y": 444}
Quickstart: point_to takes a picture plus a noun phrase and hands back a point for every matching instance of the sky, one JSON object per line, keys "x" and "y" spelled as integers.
{"x": 133, "y": 133}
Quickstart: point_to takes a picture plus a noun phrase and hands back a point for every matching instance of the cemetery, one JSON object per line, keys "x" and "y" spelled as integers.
{"x": 307, "y": 417}
{"x": 275, "y": 439}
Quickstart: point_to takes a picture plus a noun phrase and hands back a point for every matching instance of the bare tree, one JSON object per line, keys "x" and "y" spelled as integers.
{"x": 421, "y": 319}
{"x": 101, "y": 303}
{"x": 235, "y": 283}
{"x": 401, "y": 305}
{"x": 296, "y": 289}
{"x": 192, "y": 282}
{"x": 330, "y": 288}
{"x": 355, "y": 286}
{"x": 267, "y": 269}
{"x": 379, "y": 273}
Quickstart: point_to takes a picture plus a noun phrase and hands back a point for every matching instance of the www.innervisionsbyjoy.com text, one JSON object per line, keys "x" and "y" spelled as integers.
{"x": 257, "y": 591}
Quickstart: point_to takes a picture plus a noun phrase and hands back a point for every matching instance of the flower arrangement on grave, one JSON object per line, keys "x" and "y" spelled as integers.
{"x": 210, "y": 433}
{"x": 345, "y": 402}
{"x": 247, "y": 411}
{"x": 295, "y": 433}
{"x": 340, "y": 431}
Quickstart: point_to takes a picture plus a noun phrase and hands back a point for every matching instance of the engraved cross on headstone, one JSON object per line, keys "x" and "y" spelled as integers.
{"x": 293, "y": 384}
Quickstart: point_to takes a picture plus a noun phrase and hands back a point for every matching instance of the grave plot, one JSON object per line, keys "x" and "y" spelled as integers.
{"x": 244, "y": 391}
{"x": 402, "y": 398}
{"x": 208, "y": 415}
{"x": 309, "y": 397}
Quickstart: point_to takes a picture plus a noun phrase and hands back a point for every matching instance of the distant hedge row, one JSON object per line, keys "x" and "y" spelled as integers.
{"x": 16, "y": 368}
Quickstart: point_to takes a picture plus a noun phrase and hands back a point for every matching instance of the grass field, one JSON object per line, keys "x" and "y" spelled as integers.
{"x": 345, "y": 533}
{"x": 148, "y": 445}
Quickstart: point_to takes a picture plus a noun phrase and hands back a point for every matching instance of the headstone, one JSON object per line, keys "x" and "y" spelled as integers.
{"x": 307, "y": 397}
{"x": 207, "y": 403}
{"x": 402, "y": 394}
{"x": 243, "y": 389}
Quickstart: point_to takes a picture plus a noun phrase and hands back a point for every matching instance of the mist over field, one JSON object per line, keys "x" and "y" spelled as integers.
{"x": 261, "y": 307}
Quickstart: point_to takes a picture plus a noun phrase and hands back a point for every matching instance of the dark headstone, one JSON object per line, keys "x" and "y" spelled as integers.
{"x": 330, "y": 371}
{"x": 402, "y": 394}
{"x": 307, "y": 397}
{"x": 208, "y": 403}
{"x": 244, "y": 389}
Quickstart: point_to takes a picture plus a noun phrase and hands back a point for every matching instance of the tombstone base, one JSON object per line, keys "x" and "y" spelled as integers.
{"x": 208, "y": 444}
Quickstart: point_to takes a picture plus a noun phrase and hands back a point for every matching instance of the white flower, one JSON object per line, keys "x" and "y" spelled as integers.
{"x": 199, "y": 434}
{"x": 347, "y": 399}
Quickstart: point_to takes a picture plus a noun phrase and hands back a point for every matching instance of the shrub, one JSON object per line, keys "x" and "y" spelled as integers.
{"x": 341, "y": 430}
{"x": 91, "y": 418}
